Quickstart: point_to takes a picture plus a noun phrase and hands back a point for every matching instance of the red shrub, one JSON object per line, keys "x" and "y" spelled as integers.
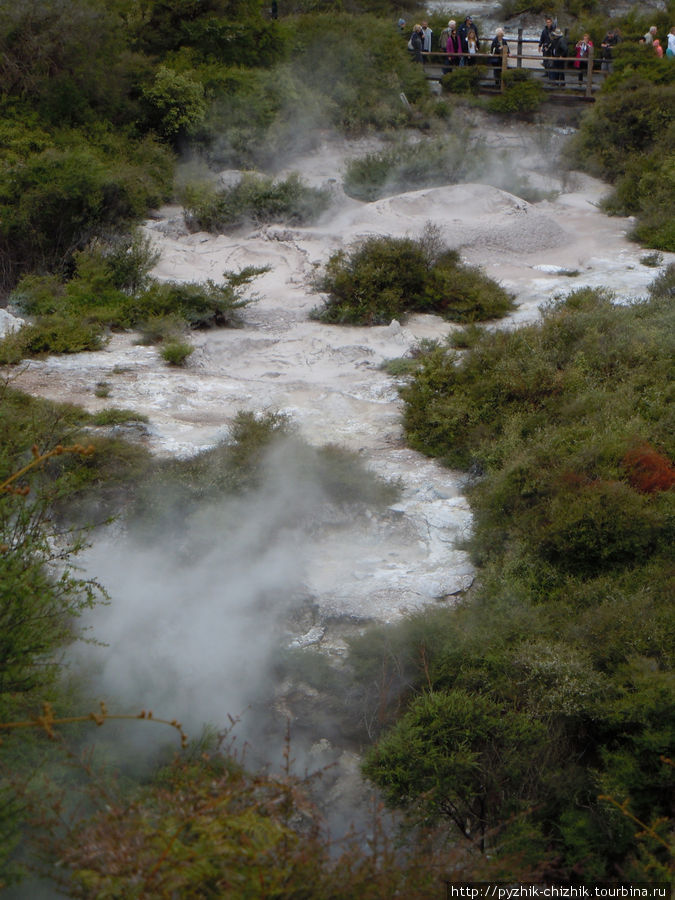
{"x": 648, "y": 470}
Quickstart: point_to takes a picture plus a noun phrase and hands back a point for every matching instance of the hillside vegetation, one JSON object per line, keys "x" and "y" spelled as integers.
{"x": 545, "y": 700}
{"x": 525, "y": 733}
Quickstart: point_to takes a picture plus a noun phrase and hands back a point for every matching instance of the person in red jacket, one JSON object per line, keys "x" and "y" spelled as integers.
{"x": 584, "y": 46}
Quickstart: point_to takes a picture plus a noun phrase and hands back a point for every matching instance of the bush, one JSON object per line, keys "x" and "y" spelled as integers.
{"x": 626, "y": 139}
{"x": 522, "y": 94}
{"x": 88, "y": 190}
{"x": 255, "y": 200}
{"x": 604, "y": 525}
{"x": 464, "y": 80}
{"x": 71, "y": 317}
{"x": 409, "y": 167}
{"x": 177, "y": 103}
{"x": 385, "y": 278}
{"x": 510, "y": 386}
{"x": 175, "y": 353}
{"x": 52, "y": 334}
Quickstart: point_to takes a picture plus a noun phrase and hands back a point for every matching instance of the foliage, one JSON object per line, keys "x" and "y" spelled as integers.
{"x": 176, "y": 353}
{"x": 411, "y": 166}
{"x": 265, "y": 116}
{"x": 570, "y": 624}
{"x": 522, "y": 93}
{"x": 464, "y": 754}
{"x": 627, "y": 139}
{"x": 177, "y": 103}
{"x": 464, "y": 80}
{"x": 387, "y": 278}
{"x": 536, "y": 376}
{"x": 206, "y": 823}
{"x": 87, "y": 189}
{"x": 111, "y": 288}
{"x": 254, "y": 199}
{"x": 52, "y": 334}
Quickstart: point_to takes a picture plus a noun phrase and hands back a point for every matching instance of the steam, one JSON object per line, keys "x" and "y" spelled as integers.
{"x": 193, "y": 619}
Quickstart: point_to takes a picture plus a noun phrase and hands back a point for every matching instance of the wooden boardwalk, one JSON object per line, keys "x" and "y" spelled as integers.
{"x": 566, "y": 86}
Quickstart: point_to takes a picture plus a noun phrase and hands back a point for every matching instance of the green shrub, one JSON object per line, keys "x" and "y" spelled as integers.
{"x": 52, "y": 334}
{"x": 254, "y": 200}
{"x": 627, "y": 121}
{"x": 114, "y": 416}
{"x": 159, "y": 328}
{"x": 177, "y": 103}
{"x": 464, "y": 80}
{"x": 603, "y": 525}
{"x": 71, "y": 316}
{"x": 522, "y": 93}
{"x": 409, "y": 167}
{"x": 199, "y": 305}
{"x": 175, "y": 353}
{"x": 509, "y": 386}
{"x": 385, "y": 278}
{"x": 89, "y": 190}
{"x": 663, "y": 286}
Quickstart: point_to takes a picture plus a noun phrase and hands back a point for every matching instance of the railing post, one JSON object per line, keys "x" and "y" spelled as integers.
{"x": 505, "y": 63}
{"x": 589, "y": 73}
{"x": 520, "y": 49}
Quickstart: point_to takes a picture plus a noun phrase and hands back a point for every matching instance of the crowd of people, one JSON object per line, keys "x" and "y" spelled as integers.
{"x": 461, "y": 46}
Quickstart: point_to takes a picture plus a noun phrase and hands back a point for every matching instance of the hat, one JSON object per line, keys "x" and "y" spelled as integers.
{"x": 557, "y": 33}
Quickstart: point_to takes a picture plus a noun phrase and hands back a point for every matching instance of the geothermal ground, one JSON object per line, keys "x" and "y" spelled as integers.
{"x": 182, "y": 629}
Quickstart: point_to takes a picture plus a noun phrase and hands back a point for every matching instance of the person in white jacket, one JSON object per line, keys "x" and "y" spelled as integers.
{"x": 426, "y": 37}
{"x": 671, "y": 43}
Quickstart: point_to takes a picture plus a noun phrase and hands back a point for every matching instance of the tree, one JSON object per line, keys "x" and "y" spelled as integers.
{"x": 460, "y": 755}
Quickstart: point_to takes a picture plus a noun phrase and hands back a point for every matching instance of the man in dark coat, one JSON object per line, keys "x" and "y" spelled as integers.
{"x": 558, "y": 50}
{"x": 463, "y": 32}
{"x": 545, "y": 43}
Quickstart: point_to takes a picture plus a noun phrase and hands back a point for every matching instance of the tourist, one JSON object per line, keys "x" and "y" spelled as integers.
{"x": 464, "y": 29}
{"x": 558, "y": 51}
{"x": 584, "y": 49}
{"x": 426, "y": 37}
{"x": 611, "y": 39}
{"x": 651, "y": 34}
{"x": 416, "y": 43}
{"x": 453, "y": 47}
{"x": 497, "y": 48}
{"x": 545, "y": 42}
{"x": 472, "y": 47}
{"x": 445, "y": 34}
{"x": 670, "y": 52}
{"x": 658, "y": 49}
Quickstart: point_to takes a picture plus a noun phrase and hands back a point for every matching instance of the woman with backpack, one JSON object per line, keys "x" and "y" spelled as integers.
{"x": 416, "y": 43}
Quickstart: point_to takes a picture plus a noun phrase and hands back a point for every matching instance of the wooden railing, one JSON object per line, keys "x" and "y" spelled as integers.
{"x": 559, "y": 73}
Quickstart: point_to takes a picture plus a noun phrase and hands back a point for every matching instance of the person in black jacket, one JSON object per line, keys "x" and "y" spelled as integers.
{"x": 463, "y": 31}
{"x": 558, "y": 50}
{"x": 497, "y": 48}
{"x": 545, "y": 43}
{"x": 611, "y": 39}
{"x": 416, "y": 43}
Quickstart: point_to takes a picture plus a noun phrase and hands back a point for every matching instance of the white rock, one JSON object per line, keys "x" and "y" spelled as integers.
{"x": 9, "y": 323}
